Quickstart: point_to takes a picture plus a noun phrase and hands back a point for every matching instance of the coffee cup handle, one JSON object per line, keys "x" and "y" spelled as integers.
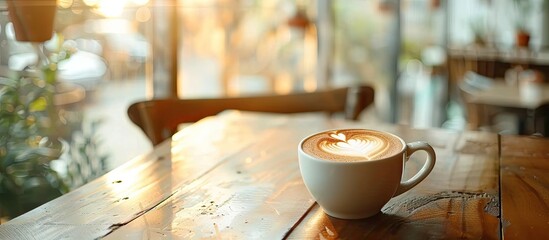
{"x": 423, "y": 172}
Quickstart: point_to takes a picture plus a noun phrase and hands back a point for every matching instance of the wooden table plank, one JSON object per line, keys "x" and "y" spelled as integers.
{"x": 459, "y": 199}
{"x": 525, "y": 187}
{"x": 255, "y": 193}
{"x": 121, "y": 196}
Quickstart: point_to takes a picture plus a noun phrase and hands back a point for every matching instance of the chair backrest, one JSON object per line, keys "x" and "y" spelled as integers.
{"x": 159, "y": 118}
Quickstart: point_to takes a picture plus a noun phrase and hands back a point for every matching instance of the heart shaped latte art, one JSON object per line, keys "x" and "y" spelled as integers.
{"x": 362, "y": 146}
{"x": 339, "y": 136}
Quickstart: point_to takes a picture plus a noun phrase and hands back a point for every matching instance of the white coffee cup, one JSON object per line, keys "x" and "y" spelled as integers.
{"x": 360, "y": 188}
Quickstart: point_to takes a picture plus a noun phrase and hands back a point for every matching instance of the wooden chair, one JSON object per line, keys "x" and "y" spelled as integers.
{"x": 159, "y": 118}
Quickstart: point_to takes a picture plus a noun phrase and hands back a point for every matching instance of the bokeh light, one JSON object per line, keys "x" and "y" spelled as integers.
{"x": 64, "y": 3}
{"x": 143, "y": 14}
{"x": 109, "y": 8}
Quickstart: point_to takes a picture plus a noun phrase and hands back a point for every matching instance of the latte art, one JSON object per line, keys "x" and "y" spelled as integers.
{"x": 352, "y": 145}
{"x": 366, "y": 146}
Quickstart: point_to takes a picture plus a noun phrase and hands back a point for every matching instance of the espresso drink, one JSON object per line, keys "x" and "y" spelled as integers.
{"x": 351, "y": 145}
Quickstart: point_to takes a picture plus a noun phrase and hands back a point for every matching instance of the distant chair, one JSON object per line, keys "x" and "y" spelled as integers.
{"x": 160, "y": 118}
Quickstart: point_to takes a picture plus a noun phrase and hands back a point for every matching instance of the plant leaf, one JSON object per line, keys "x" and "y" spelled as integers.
{"x": 38, "y": 105}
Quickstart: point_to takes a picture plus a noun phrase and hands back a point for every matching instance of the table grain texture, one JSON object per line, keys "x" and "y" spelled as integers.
{"x": 236, "y": 176}
{"x": 525, "y": 187}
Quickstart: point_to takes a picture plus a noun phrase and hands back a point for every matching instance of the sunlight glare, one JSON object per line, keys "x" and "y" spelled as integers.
{"x": 140, "y": 2}
{"x": 90, "y": 2}
{"x": 109, "y": 8}
{"x": 64, "y": 3}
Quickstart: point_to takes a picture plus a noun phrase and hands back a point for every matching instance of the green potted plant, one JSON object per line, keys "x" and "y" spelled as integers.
{"x": 30, "y": 143}
{"x": 26, "y": 178}
{"x": 27, "y": 119}
{"x": 32, "y": 135}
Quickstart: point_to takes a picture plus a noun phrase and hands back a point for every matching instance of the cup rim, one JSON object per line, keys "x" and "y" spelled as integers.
{"x": 300, "y": 148}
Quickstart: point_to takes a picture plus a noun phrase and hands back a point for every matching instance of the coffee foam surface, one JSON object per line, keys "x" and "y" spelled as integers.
{"x": 352, "y": 145}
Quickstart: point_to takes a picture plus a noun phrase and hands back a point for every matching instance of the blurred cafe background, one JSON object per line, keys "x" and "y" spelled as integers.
{"x": 430, "y": 62}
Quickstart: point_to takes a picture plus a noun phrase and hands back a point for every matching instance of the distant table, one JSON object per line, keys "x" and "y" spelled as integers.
{"x": 511, "y": 98}
{"x": 501, "y": 94}
{"x": 236, "y": 176}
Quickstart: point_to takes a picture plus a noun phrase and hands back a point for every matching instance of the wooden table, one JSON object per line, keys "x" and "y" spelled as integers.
{"x": 500, "y": 96}
{"x": 236, "y": 176}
